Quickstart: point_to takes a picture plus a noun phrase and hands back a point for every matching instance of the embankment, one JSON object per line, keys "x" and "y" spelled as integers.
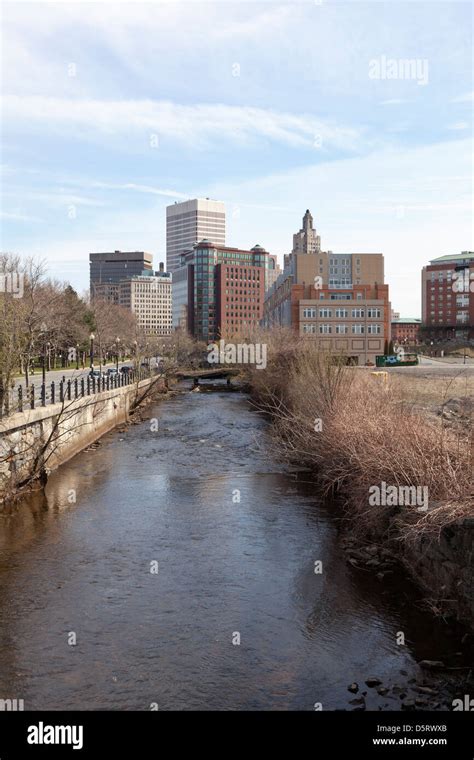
{"x": 360, "y": 433}
{"x": 36, "y": 441}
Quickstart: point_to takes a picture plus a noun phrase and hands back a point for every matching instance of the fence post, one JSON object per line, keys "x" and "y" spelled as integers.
{"x": 82, "y": 386}
{"x": 93, "y": 384}
{"x": 32, "y": 396}
{"x": 61, "y": 391}
{"x": 68, "y": 390}
{"x": 75, "y": 387}
{"x": 53, "y": 392}
{"x": 20, "y": 398}
{"x": 108, "y": 382}
{"x": 43, "y": 394}
{"x": 88, "y": 385}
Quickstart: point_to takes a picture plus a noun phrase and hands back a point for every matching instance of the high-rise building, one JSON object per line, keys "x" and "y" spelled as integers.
{"x": 225, "y": 290}
{"x": 190, "y": 222}
{"x": 180, "y": 290}
{"x": 306, "y": 240}
{"x": 148, "y": 295}
{"x": 108, "y": 269}
{"x": 274, "y": 270}
{"x": 447, "y": 296}
{"x": 337, "y": 299}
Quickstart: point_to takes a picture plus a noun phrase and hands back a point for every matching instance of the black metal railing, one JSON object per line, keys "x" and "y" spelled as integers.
{"x": 68, "y": 390}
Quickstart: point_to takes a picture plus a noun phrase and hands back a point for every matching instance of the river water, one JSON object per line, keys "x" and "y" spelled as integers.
{"x": 234, "y": 537}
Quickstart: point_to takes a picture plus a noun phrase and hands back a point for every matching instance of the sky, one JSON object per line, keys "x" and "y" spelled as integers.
{"x": 112, "y": 111}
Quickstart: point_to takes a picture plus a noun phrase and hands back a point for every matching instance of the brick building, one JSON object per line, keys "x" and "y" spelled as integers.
{"x": 406, "y": 330}
{"x": 225, "y": 290}
{"x": 447, "y": 292}
{"x": 339, "y": 300}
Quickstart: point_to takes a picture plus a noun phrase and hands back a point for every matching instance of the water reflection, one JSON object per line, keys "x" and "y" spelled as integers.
{"x": 225, "y": 565}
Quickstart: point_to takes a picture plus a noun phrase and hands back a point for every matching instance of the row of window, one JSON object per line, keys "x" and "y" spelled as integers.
{"x": 324, "y": 329}
{"x": 311, "y": 313}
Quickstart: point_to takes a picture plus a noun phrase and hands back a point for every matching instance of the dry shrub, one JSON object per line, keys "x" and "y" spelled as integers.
{"x": 368, "y": 435}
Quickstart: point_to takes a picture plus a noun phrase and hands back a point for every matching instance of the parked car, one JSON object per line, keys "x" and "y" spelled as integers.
{"x": 112, "y": 371}
{"x": 125, "y": 369}
{"x": 95, "y": 373}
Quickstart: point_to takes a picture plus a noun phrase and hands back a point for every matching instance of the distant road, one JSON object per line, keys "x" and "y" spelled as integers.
{"x": 448, "y": 361}
{"x": 56, "y": 377}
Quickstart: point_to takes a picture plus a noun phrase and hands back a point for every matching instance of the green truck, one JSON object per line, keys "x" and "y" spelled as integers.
{"x": 397, "y": 360}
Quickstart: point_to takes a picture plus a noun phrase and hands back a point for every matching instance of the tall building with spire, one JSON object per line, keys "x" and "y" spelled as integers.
{"x": 338, "y": 300}
{"x": 307, "y": 240}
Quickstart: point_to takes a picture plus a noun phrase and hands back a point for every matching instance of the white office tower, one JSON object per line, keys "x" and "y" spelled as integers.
{"x": 190, "y": 222}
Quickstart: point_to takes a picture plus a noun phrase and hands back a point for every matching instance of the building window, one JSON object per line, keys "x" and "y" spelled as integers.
{"x": 325, "y": 329}
{"x": 358, "y": 329}
{"x": 357, "y": 313}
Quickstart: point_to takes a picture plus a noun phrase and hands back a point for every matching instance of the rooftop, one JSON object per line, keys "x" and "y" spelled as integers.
{"x": 469, "y": 255}
{"x": 406, "y": 321}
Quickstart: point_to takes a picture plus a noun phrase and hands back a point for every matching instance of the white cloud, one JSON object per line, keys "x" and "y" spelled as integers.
{"x": 468, "y": 97}
{"x": 459, "y": 125}
{"x": 54, "y": 198}
{"x": 18, "y": 217}
{"x": 140, "y": 189}
{"x": 197, "y": 126}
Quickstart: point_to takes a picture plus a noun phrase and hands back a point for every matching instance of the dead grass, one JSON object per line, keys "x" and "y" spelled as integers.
{"x": 369, "y": 433}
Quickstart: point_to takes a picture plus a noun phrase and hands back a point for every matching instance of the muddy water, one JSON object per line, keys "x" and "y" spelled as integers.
{"x": 235, "y": 536}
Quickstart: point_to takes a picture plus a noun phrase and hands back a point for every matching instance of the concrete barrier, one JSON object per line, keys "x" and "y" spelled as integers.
{"x": 36, "y": 441}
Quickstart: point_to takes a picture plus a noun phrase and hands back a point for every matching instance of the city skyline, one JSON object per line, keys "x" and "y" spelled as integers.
{"x": 103, "y": 129}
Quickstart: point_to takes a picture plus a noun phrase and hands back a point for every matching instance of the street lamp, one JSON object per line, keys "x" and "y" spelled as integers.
{"x": 92, "y": 338}
{"x": 117, "y": 343}
{"x": 44, "y": 328}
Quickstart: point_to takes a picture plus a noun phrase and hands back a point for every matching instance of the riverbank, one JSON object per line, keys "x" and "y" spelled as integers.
{"x": 35, "y": 442}
{"x": 401, "y": 468}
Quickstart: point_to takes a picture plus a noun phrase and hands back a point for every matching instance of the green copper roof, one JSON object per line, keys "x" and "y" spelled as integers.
{"x": 405, "y": 321}
{"x": 454, "y": 257}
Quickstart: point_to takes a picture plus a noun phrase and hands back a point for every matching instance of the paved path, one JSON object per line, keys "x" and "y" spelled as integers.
{"x": 55, "y": 376}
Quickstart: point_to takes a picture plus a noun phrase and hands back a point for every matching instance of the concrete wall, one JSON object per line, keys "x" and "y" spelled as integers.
{"x": 69, "y": 428}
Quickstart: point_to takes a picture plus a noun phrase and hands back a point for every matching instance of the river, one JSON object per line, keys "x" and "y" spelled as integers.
{"x": 157, "y": 550}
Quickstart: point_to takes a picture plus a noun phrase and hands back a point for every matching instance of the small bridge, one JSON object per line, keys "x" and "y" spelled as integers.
{"x": 207, "y": 374}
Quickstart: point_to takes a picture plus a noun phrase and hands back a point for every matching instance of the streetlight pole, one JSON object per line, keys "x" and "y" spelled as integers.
{"x": 77, "y": 356}
{"x": 44, "y": 362}
{"x": 117, "y": 343}
{"x": 92, "y": 337}
{"x": 135, "y": 343}
{"x": 43, "y": 332}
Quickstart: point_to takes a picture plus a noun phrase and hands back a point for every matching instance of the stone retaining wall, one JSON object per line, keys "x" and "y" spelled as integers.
{"x": 66, "y": 427}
